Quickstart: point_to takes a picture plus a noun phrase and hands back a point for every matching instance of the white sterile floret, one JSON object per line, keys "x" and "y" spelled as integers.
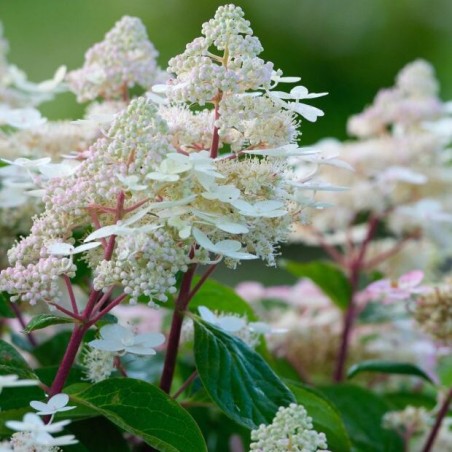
{"x": 21, "y": 118}
{"x": 131, "y": 182}
{"x": 12, "y": 381}
{"x": 66, "y": 249}
{"x": 229, "y": 323}
{"x": 291, "y": 429}
{"x": 224, "y": 193}
{"x": 267, "y": 209}
{"x": 119, "y": 339}
{"x": 226, "y": 248}
{"x": 56, "y": 404}
{"x": 31, "y": 422}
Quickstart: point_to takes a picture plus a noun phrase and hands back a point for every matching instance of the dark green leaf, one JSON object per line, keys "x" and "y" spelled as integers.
{"x": 41, "y": 321}
{"x": 11, "y": 362}
{"x": 5, "y": 308}
{"x": 325, "y": 417}
{"x": 144, "y": 410}
{"x": 218, "y": 297}
{"x": 388, "y": 367}
{"x": 52, "y": 351}
{"x": 400, "y": 400}
{"x": 107, "y": 319}
{"x": 362, "y": 413}
{"x": 330, "y": 279}
{"x": 237, "y": 379}
{"x": 111, "y": 439}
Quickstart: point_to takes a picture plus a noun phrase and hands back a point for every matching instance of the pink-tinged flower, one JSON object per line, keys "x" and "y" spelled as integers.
{"x": 399, "y": 289}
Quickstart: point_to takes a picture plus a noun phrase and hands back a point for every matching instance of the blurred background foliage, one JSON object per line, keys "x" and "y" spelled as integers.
{"x": 350, "y": 48}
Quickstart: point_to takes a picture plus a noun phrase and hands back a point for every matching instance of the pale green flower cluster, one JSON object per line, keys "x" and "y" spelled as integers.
{"x": 291, "y": 430}
{"x": 125, "y": 58}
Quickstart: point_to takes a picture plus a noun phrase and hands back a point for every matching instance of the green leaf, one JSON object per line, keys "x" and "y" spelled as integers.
{"x": 362, "y": 413}
{"x": 330, "y": 279}
{"x": 44, "y": 320}
{"x": 111, "y": 439}
{"x": 144, "y": 410}
{"x": 445, "y": 371}
{"x": 388, "y": 367}
{"x": 237, "y": 379}
{"x": 218, "y": 297}
{"x": 11, "y": 362}
{"x": 51, "y": 352}
{"x": 325, "y": 417}
{"x": 5, "y": 308}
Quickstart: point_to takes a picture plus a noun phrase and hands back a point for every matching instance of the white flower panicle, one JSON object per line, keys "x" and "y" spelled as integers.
{"x": 191, "y": 205}
{"x": 399, "y": 162}
{"x": 291, "y": 430}
{"x": 124, "y": 59}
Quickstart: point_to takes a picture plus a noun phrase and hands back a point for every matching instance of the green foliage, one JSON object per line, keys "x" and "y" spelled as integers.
{"x": 237, "y": 378}
{"x": 388, "y": 367}
{"x": 362, "y": 413}
{"x": 325, "y": 417}
{"x": 41, "y": 321}
{"x": 110, "y": 440}
{"x": 11, "y": 362}
{"x": 221, "y": 298}
{"x": 144, "y": 410}
{"x": 52, "y": 351}
{"x": 5, "y": 309}
{"x": 329, "y": 277}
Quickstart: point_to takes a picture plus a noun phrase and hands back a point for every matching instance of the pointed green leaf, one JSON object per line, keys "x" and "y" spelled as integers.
{"x": 388, "y": 367}
{"x": 44, "y": 320}
{"x": 144, "y": 410}
{"x": 11, "y": 362}
{"x": 362, "y": 413}
{"x": 325, "y": 417}
{"x": 237, "y": 379}
{"x": 5, "y": 309}
{"x": 329, "y": 277}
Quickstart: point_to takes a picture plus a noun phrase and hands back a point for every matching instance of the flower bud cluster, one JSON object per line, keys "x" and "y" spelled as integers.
{"x": 125, "y": 58}
{"x": 433, "y": 312}
{"x": 413, "y": 420}
{"x": 145, "y": 264}
{"x": 291, "y": 429}
{"x": 201, "y": 75}
{"x": 37, "y": 281}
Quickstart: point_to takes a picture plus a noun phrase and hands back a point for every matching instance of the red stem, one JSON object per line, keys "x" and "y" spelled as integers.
{"x": 439, "y": 420}
{"x": 176, "y": 327}
{"x": 70, "y": 292}
{"x": 216, "y": 136}
{"x": 202, "y": 280}
{"x": 355, "y": 268}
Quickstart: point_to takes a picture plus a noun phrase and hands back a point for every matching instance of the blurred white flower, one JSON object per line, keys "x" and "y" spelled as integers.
{"x": 12, "y": 381}
{"x": 21, "y": 118}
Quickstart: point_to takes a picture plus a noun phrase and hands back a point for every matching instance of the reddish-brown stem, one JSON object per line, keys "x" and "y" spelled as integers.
{"x": 438, "y": 422}
{"x": 135, "y": 206}
{"x": 215, "y": 136}
{"x": 68, "y": 359}
{"x": 355, "y": 268}
{"x": 107, "y": 309}
{"x": 70, "y": 292}
{"x": 85, "y": 318}
{"x": 201, "y": 281}
{"x": 175, "y": 331}
{"x": 185, "y": 385}
{"x": 67, "y": 312}
{"x": 103, "y": 299}
{"x": 21, "y": 320}
{"x": 119, "y": 366}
